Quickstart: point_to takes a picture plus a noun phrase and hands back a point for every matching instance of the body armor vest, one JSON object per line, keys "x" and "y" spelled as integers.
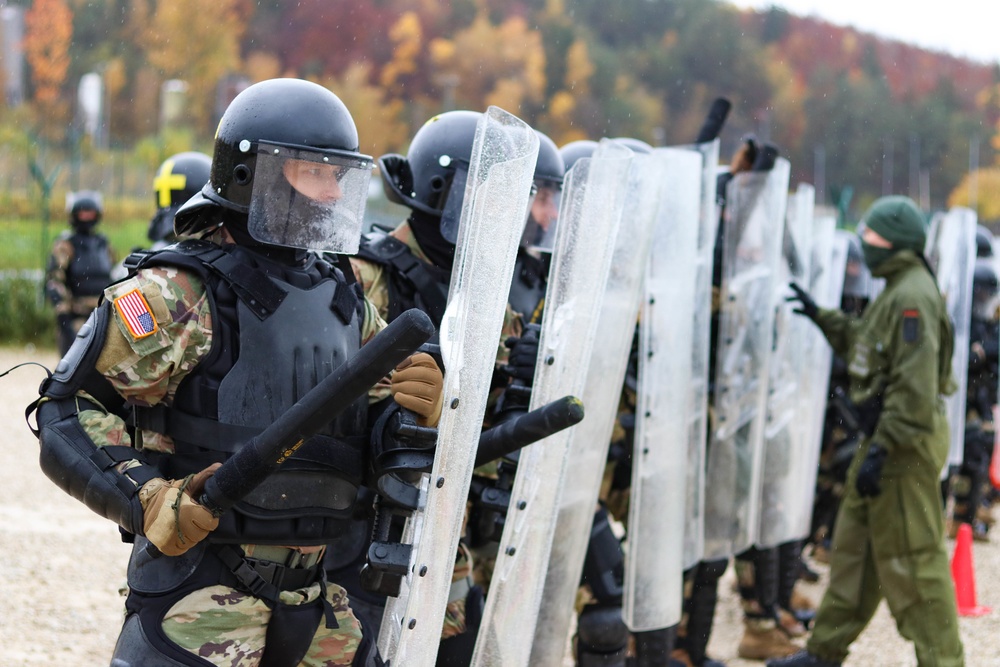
{"x": 413, "y": 283}
{"x": 527, "y": 290}
{"x": 277, "y": 331}
{"x": 90, "y": 271}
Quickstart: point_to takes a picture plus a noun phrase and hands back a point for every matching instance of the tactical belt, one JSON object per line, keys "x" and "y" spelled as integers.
{"x": 266, "y": 578}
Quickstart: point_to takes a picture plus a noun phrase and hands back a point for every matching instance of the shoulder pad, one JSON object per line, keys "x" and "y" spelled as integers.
{"x": 381, "y": 248}
{"x": 79, "y": 361}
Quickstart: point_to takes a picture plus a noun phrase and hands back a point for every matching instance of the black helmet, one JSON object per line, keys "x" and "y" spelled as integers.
{"x": 431, "y": 178}
{"x": 984, "y": 242}
{"x": 985, "y": 286}
{"x": 286, "y": 155}
{"x": 635, "y": 145}
{"x": 575, "y": 150}
{"x": 179, "y": 178}
{"x": 86, "y": 208}
{"x": 549, "y": 167}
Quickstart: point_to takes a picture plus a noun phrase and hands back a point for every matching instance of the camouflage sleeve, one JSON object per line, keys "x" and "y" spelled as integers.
{"x": 374, "y": 282}
{"x": 55, "y": 276}
{"x": 371, "y": 324}
{"x": 511, "y": 328}
{"x": 146, "y": 367}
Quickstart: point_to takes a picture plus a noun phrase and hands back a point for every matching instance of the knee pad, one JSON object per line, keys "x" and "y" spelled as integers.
{"x": 601, "y": 636}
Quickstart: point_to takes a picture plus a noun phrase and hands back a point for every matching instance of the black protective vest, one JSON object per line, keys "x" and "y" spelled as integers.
{"x": 413, "y": 283}
{"x": 277, "y": 331}
{"x": 90, "y": 271}
{"x": 527, "y": 289}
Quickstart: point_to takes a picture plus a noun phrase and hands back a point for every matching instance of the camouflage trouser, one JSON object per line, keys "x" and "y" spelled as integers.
{"x": 227, "y": 627}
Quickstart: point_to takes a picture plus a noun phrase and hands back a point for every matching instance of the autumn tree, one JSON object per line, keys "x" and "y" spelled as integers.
{"x": 48, "y": 32}
{"x": 380, "y": 120}
{"x": 198, "y": 51}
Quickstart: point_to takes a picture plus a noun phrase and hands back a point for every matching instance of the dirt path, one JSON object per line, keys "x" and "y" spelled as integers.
{"x": 63, "y": 566}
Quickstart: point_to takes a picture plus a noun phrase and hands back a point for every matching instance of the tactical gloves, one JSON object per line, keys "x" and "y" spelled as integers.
{"x": 523, "y": 354}
{"x": 417, "y": 385}
{"x": 172, "y": 520}
{"x": 870, "y": 473}
{"x": 808, "y": 307}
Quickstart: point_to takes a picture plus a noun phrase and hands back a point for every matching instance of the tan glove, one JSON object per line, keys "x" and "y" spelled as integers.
{"x": 172, "y": 520}
{"x": 417, "y": 385}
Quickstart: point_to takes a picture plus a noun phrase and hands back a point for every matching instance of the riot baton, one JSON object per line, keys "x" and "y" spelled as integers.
{"x": 714, "y": 121}
{"x": 529, "y": 427}
{"x": 263, "y": 453}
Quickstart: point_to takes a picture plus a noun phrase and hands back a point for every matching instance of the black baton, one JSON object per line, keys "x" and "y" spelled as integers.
{"x": 529, "y": 427}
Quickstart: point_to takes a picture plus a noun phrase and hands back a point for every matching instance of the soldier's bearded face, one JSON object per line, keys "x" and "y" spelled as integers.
{"x": 319, "y": 182}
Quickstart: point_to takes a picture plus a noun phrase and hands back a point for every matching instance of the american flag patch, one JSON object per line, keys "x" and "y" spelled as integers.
{"x": 135, "y": 312}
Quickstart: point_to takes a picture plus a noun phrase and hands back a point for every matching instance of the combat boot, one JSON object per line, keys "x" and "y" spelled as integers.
{"x": 680, "y": 658}
{"x": 763, "y": 639}
{"x": 802, "y": 659}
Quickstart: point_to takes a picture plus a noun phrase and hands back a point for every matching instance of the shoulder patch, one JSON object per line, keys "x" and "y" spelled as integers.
{"x": 134, "y": 311}
{"x": 911, "y": 325}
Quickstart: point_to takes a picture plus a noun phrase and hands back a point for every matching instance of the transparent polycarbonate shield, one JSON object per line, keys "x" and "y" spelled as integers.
{"x": 666, "y": 398}
{"x": 787, "y": 426}
{"x": 708, "y": 226}
{"x": 497, "y": 192}
{"x": 309, "y": 199}
{"x": 592, "y": 203}
{"x": 951, "y": 252}
{"x": 588, "y": 447}
{"x": 829, "y": 259}
{"x": 752, "y": 242}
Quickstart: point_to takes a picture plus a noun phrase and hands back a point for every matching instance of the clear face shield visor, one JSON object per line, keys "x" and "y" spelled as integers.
{"x": 309, "y": 199}
{"x": 543, "y": 217}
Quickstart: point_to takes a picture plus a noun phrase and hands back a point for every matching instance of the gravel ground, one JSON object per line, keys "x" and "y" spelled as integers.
{"x": 63, "y": 567}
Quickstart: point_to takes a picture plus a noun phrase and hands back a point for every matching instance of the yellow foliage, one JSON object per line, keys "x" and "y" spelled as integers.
{"x": 407, "y": 36}
{"x": 115, "y": 77}
{"x": 493, "y": 62}
{"x": 48, "y": 28}
{"x": 200, "y": 52}
{"x": 562, "y": 105}
{"x": 987, "y": 185}
{"x": 381, "y": 128}
{"x": 261, "y": 66}
{"x": 579, "y": 69}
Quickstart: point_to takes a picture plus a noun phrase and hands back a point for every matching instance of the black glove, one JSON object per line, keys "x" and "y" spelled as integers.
{"x": 808, "y": 307}
{"x": 870, "y": 473}
{"x": 523, "y": 354}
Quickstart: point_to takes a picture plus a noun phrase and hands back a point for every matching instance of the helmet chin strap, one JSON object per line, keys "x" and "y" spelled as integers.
{"x": 235, "y": 225}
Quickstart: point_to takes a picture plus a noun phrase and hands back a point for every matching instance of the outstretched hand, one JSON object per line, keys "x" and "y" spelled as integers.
{"x": 807, "y": 306}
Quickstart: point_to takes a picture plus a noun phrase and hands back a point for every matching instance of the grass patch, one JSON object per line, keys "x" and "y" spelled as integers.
{"x": 25, "y": 317}
{"x": 21, "y": 243}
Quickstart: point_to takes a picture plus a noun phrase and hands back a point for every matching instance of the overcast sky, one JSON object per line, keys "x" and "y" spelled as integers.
{"x": 967, "y": 28}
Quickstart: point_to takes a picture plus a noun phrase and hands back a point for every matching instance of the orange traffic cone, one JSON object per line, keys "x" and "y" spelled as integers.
{"x": 964, "y": 576}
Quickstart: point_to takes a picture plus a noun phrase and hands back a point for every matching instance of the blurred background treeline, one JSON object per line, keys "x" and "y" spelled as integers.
{"x": 98, "y": 92}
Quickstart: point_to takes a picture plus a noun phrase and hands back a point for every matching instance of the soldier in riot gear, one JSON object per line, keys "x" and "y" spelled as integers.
{"x": 79, "y": 267}
{"x": 200, "y": 349}
{"x": 984, "y": 242}
{"x": 575, "y": 150}
{"x": 972, "y": 479}
{"x": 178, "y": 179}
{"x": 899, "y": 361}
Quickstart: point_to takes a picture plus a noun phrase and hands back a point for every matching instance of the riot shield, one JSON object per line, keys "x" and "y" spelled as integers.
{"x": 951, "y": 252}
{"x": 593, "y": 197}
{"x": 667, "y": 398}
{"x": 787, "y": 424}
{"x": 496, "y": 197}
{"x": 708, "y": 227}
{"x": 829, "y": 261}
{"x": 752, "y": 240}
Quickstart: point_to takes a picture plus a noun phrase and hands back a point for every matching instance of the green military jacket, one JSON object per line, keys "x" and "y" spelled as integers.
{"x": 900, "y": 350}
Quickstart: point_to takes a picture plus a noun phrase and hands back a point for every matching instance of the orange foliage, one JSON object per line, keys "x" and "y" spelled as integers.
{"x": 48, "y": 31}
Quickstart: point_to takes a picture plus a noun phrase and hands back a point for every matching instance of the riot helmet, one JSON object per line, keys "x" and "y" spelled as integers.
{"x": 178, "y": 179}
{"x": 543, "y": 213}
{"x": 430, "y": 180}
{"x": 984, "y": 242}
{"x": 635, "y": 145}
{"x": 286, "y": 162}
{"x": 857, "y": 279}
{"x": 575, "y": 150}
{"x": 86, "y": 208}
{"x": 985, "y": 287}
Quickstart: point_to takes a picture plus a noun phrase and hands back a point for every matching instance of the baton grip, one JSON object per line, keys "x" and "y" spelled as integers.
{"x": 529, "y": 427}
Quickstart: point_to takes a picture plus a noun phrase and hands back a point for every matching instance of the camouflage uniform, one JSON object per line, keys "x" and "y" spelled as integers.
{"x": 220, "y": 624}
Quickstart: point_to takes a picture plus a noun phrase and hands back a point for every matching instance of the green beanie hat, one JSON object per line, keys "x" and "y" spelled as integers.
{"x": 898, "y": 220}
